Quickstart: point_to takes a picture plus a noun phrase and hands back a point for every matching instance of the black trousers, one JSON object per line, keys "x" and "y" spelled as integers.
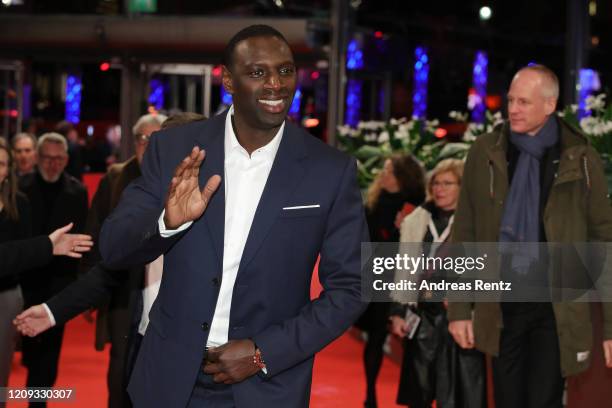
{"x": 208, "y": 394}
{"x": 527, "y": 372}
{"x": 41, "y": 357}
{"x": 118, "y": 329}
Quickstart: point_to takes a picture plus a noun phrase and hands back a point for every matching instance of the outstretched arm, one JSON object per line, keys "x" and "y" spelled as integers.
{"x": 21, "y": 255}
{"x": 90, "y": 290}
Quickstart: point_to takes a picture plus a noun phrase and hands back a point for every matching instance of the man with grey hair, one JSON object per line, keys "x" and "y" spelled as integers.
{"x": 56, "y": 199}
{"x": 535, "y": 179}
{"x": 24, "y": 152}
{"x": 142, "y": 129}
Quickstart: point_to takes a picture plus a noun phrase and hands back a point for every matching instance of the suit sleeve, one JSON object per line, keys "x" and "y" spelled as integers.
{"x": 130, "y": 234}
{"x": 90, "y": 290}
{"x": 21, "y": 255}
{"x": 296, "y": 339}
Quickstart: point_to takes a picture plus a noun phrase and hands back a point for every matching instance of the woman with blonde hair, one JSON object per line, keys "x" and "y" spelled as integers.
{"x": 434, "y": 367}
{"x": 397, "y": 189}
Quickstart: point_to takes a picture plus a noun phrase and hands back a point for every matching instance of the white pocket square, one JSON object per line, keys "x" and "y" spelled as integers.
{"x": 300, "y": 207}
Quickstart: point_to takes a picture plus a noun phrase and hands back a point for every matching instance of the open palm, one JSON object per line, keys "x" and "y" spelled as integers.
{"x": 185, "y": 201}
{"x": 32, "y": 321}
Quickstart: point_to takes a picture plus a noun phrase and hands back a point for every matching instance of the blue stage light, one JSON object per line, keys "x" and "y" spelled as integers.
{"x": 156, "y": 95}
{"x": 480, "y": 72}
{"x": 226, "y": 98}
{"x": 294, "y": 110}
{"x": 353, "y": 102}
{"x": 354, "y": 56}
{"x": 421, "y": 75}
{"x": 589, "y": 83}
{"x": 73, "y": 98}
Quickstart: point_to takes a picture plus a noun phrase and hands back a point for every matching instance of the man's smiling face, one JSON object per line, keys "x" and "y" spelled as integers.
{"x": 262, "y": 81}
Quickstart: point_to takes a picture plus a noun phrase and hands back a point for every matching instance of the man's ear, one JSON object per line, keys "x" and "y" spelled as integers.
{"x": 550, "y": 105}
{"x": 227, "y": 81}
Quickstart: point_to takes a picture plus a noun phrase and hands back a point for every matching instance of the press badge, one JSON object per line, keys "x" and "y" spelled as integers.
{"x": 412, "y": 323}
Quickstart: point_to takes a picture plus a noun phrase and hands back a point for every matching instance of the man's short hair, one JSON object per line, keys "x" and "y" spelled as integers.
{"x": 549, "y": 79}
{"x": 52, "y": 137}
{"x": 64, "y": 127}
{"x": 257, "y": 30}
{"x": 150, "y": 119}
{"x": 182, "y": 118}
{"x": 24, "y": 135}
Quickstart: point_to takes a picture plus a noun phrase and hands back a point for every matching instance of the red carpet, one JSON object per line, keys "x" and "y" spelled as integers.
{"x": 81, "y": 368}
{"x": 338, "y": 380}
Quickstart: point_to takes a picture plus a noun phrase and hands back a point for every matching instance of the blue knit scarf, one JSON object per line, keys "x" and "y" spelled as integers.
{"x": 520, "y": 221}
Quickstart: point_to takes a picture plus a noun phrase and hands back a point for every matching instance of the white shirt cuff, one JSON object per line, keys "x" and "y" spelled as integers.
{"x": 51, "y": 318}
{"x": 166, "y": 233}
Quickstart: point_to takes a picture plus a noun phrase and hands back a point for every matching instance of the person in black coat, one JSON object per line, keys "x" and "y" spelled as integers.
{"x": 14, "y": 224}
{"x": 56, "y": 200}
{"x": 23, "y": 254}
{"x": 397, "y": 189}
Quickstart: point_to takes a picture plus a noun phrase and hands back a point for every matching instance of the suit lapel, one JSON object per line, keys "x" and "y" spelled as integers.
{"x": 212, "y": 141}
{"x": 286, "y": 173}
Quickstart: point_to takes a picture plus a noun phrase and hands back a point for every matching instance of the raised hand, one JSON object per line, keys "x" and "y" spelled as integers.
{"x": 71, "y": 245}
{"x": 185, "y": 201}
{"x": 33, "y": 321}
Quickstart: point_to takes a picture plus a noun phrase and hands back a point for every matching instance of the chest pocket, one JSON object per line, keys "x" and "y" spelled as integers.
{"x": 301, "y": 212}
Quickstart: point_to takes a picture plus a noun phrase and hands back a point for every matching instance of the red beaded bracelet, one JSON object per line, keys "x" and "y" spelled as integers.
{"x": 258, "y": 359}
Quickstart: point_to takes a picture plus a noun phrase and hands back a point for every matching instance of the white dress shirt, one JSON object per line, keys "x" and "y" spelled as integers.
{"x": 152, "y": 281}
{"x": 244, "y": 179}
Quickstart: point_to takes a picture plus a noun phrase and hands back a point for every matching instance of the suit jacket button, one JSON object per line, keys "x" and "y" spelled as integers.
{"x": 216, "y": 281}
{"x": 205, "y": 326}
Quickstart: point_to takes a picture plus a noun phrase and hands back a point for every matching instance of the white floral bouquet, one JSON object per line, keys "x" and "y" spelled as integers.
{"x": 372, "y": 142}
{"x": 597, "y": 126}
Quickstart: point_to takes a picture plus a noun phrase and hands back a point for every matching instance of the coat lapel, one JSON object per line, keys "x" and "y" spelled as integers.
{"x": 286, "y": 173}
{"x": 212, "y": 141}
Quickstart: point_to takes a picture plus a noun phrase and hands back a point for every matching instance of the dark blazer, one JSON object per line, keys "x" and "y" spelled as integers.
{"x": 90, "y": 290}
{"x": 120, "y": 287}
{"x": 70, "y": 206}
{"x": 271, "y": 297}
{"x": 23, "y": 254}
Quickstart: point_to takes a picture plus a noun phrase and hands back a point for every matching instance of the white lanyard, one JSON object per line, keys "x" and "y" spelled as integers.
{"x": 445, "y": 233}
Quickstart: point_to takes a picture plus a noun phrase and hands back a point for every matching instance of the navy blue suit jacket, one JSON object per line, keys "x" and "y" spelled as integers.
{"x": 271, "y": 302}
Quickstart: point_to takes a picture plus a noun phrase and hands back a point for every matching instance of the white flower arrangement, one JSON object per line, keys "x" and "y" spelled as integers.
{"x": 371, "y": 142}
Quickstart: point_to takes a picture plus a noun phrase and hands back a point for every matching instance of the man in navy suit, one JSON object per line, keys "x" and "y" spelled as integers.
{"x": 233, "y": 324}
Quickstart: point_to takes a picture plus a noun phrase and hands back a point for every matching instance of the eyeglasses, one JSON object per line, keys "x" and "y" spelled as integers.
{"x": 55, "y": 159}
{"x": 142, "y": 139}
{"x": 444, "y": 184}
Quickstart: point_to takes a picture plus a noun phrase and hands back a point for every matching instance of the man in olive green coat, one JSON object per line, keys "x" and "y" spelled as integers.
{"x": 534, "y": 345}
